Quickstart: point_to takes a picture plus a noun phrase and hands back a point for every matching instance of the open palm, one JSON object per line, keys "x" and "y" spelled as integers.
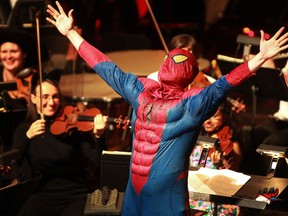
{"x": 61, "y": 21}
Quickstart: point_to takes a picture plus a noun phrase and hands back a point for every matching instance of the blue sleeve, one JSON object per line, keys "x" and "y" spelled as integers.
{"x": 206, "y": 103}
{"x": 126, "y": 85}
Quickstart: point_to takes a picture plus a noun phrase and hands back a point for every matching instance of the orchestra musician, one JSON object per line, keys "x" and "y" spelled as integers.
{"x": 18, "y": 51}
{"x": 61, "y": 159}
{"x": 226, "y": 154}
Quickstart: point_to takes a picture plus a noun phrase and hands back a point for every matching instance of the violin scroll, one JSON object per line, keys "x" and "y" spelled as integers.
{"x": 120, "y": 121}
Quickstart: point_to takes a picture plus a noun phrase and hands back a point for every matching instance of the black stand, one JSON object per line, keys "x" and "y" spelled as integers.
{"x": 13, "y": 197}
{"x": 207, "y": 143}
{"x": 12, "y": 112}
{"x": 268, "y": 83}
{"x": 274, "y": 152}
{"x": 4, "y": 87}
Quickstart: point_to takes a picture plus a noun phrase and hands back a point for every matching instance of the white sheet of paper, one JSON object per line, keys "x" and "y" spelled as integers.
{"x": 220, "y": 182}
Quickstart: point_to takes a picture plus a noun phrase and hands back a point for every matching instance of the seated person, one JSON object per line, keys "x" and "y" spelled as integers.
{"x": 60, "y": 160}
{"x": 18, "y": 51}
{"x": 227, "y": 153}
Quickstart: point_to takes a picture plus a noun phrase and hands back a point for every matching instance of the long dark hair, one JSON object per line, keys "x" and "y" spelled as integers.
{"x": 228, "y": 118}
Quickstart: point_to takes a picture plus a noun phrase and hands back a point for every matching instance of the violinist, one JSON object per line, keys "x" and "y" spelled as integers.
{"x": 60, "y": 160}
{"x": 18, "y": 51}
{"x": 227, "y": 153}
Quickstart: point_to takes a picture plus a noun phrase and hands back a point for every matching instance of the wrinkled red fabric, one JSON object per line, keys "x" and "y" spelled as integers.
{"x": 175, "y": 76}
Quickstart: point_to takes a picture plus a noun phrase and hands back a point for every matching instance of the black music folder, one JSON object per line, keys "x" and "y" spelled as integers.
{"x": 8, "y": 86}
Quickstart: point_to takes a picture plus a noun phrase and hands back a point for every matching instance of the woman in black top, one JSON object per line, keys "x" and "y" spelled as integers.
{"x": 60, "y": 160}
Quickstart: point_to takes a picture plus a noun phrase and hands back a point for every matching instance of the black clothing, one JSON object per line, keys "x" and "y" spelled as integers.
{"x": 61, "y": 163}
{"x": 270, "y": 132}
{"x": 12, "y": 113}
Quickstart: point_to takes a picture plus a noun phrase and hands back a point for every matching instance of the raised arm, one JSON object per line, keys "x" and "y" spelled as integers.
{"x": 268, "y": 49}
{"x": 64, "y": 24}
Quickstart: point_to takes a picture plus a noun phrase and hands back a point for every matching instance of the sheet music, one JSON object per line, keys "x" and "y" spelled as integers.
{"x": 219, "y": 182}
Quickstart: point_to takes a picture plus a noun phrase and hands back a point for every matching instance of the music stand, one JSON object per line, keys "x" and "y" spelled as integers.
{"x": 9, "y": 156}
{"x": 8, "y": 86}
{"x": 206, "y": 143}
{"x": 268, "y": 82}
{"x": 275, "y": 152}
{"x": 4, "y": 87}
{"x": 271, "y": 84}
{"x": 9, "y": 167}
{"x": 24, "y": 13}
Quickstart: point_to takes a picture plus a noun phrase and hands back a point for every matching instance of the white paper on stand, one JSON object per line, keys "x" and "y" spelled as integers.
{"x": 219, "y": 182}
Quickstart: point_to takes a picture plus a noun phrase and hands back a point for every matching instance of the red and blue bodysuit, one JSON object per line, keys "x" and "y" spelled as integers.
{"x": 166, "y": 122}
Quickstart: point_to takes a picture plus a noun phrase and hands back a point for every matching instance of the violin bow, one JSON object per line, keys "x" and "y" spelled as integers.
{"x": 39, "y": 62}
{"x": 157, "y": 27}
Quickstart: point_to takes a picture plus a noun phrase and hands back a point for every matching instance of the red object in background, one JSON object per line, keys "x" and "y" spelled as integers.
{"x": 251, "y": 33}
{"x": 142, "y": 8}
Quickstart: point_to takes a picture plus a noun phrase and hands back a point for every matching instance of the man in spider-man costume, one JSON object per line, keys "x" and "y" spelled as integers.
{"x": 166, "y": 119}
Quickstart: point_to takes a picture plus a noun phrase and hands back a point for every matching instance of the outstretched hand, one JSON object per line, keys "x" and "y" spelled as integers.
{"x": 270, "y": 48}
{"x": 60, "y": 20}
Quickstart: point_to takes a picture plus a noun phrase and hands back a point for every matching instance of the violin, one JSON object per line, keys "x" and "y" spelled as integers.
{"x": 71, "y": 119}
{"x": 224, "y": 145}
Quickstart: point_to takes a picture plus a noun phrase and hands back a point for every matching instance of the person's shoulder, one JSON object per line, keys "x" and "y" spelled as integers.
{"x": 22, "y": 127}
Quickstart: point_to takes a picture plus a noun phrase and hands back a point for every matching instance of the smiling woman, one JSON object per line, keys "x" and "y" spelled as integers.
{"x": 13, "y": 55}
{"x": 63, "y": 162}
{"x": 18, "y": 51}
